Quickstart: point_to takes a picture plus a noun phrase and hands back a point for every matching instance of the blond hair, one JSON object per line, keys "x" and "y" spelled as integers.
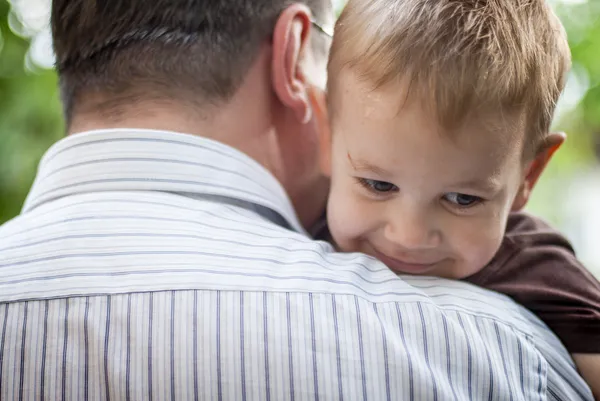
{"x": 460, "y": 56}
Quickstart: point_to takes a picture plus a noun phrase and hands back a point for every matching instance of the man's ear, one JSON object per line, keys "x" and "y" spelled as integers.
{"x": 535, "y": 168}
{"x": 291, "y": 37}
{"x": 321, "y": 114}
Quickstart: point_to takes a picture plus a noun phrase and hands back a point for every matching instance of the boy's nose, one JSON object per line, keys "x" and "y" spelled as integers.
{"x": 411, "y": 232}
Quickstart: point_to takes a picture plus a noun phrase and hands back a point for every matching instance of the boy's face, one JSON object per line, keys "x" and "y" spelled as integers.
{"x": 419, "y": 198}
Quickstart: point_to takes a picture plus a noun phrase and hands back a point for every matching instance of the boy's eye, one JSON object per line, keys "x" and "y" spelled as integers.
{"x": 462, "y": 200}
{"x": 377, "y": 186}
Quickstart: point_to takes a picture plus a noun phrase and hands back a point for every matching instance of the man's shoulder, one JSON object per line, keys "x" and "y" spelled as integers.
{"x": 161, "y": 241}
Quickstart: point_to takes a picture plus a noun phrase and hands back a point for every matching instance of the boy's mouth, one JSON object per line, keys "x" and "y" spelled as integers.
{"x": 401, "y": 266}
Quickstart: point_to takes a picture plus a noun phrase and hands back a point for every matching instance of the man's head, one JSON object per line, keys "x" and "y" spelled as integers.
{"x": 197, "y": 49}
{"x": 440, "y": 117}
{"x": 245, "y": 72}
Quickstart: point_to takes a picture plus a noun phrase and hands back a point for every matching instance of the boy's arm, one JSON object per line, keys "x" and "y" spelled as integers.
{"x": 537, "y": 267}
{"x": 589, "y": 367}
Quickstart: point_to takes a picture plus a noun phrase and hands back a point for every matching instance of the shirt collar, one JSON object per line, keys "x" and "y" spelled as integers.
{"x": 149, "y": 160}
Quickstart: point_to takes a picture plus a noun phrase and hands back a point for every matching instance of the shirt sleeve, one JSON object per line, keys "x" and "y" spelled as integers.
{"x": 537, "y": 267}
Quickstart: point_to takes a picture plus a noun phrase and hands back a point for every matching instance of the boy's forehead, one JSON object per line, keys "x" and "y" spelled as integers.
{"x": 359, "y": 94}
{"x": 380, "y": 125}
{"x": 359, "y": 99}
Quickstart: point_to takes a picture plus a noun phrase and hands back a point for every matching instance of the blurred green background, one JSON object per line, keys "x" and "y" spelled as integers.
{"x": 568, "y": 195}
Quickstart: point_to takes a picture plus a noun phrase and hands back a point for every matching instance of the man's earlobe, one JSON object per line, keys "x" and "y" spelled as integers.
{"x": 290, "y": 40}
{"x": 536, "y": 167}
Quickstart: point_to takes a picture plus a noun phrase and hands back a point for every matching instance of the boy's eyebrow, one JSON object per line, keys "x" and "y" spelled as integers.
{"x": 363, "y": 165}
{"x": 490, "y": 184}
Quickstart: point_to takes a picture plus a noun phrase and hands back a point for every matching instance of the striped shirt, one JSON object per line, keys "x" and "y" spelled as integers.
{"x": 151, "y": 265}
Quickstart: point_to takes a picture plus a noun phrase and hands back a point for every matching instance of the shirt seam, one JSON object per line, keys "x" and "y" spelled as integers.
{"x": 452, "y": 309}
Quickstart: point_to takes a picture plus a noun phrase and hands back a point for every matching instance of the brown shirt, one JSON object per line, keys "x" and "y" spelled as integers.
{"x": 537, "y": 267}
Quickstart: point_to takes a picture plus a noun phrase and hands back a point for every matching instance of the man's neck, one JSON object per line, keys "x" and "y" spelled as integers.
{"x": 164, "y": 115}
{"x": 246, "y": 122}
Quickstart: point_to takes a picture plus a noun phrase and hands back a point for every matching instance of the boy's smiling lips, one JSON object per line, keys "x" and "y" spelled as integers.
{"x": 401, "y": 266}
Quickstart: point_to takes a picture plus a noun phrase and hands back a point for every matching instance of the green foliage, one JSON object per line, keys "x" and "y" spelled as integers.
{"x": 582, "y": 22}
{"x": 582, "y": 122}
{"x": 30, "y": 118}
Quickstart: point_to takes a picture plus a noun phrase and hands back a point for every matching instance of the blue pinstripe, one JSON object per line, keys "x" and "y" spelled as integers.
{"x": 449, "y": 364}
{"x": 242, "y": 352}
{"x": 408, "y": 355}
{"x": 388, "y": 395}
{"x": 172, "y": 340}
{"x": 195, "y": 347}
{"x": 338, "y": 356}
{"x": 128, "y": 352}
{"x": 508, "y": 381}
{"x": 363, "y": 373}
{"x": 489, "y": 359}
{"x": 106, "y": 341}
{"x": 313, "y": 340}
{"x": 290, "y": 348}
{"x": 43, "y": 367}
{"x": 65, "y": 349}
{"x": 2, "y": 344}
{"x": 23, "y": 349}
{"x": 426, "y": 352}
{"x": 266, "y": 346}
{"x": 150, "y": 345}
{"x": 218, "y": 350}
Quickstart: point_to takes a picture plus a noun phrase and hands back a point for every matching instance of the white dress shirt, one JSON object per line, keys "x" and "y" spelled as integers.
{"x": 151, "y": 265}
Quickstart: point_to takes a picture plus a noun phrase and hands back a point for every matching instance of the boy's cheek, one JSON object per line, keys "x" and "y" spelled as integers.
{"x": 350, "y": 219}
{"x": 477, "y": 245}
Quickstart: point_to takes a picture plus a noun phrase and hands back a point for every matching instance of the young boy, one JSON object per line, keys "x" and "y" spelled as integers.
{"x": 440, "y": 113}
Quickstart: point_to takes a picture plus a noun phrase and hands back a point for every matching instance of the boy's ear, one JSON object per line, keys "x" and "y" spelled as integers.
{"x": 321, "y": 114}
{"x": 535, "y": 168}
